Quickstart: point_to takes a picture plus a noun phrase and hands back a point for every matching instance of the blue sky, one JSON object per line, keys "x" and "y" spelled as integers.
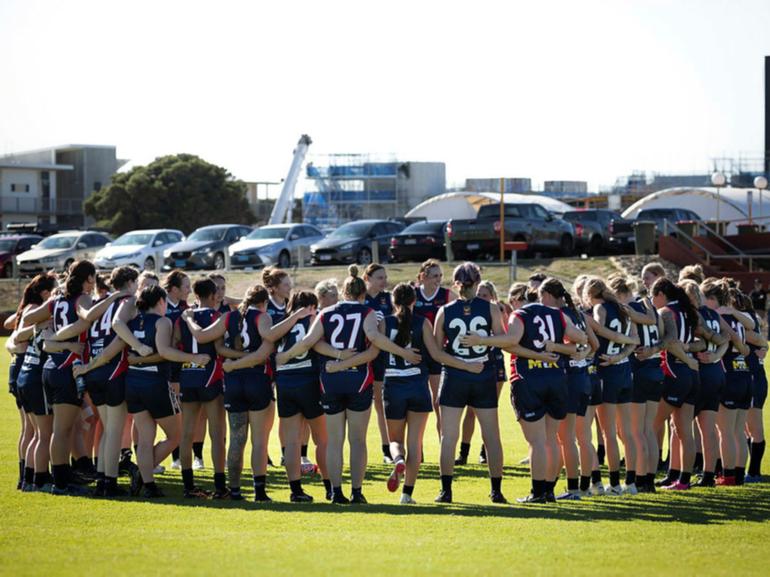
{"x": 548, "y": 90}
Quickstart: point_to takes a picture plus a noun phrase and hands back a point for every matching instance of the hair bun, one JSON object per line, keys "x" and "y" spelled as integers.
{"x": 353, "y": 271}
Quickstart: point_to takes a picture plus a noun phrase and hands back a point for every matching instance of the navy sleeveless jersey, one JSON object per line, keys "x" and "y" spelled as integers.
{"x": 343, "y": 326}
{"x": 396, "y": 366}
{"x": 613, "y": 322}
{"x": 174, "y": 311}
{"x": 101, "y": 335}
{"x": 244, "y": 336}
{"x": 649, "y": 335}
{"x": 143, "y": 327}
{"x": 541, "y": 323}
{"x": 382, "y": 304}
{"x": 193, "y": 375}
{"x": 683, "y": 332}
{"x": 733, "y": 360}
{"x": 462, "y": 317}
{"x": 711, "y": 319}
{"x": 301, "y": 366}
{"x": 428, "y": 306}
{"x": 277, "y": 312}
{"x": 64, "y": 312}
{"x": 577, "y": 319}
{"x": 32, "y": 367}
{"x": 223, "y": 309}
{"x": 752, "y": 359}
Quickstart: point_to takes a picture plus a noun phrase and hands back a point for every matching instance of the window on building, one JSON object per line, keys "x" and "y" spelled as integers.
{"x": 97, "y": 185}
{"x": 19, "y": 187}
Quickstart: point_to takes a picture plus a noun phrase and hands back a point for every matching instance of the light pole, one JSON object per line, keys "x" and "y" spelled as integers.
{"x": 760, "y": 183}
{"x": 718, "y": 180}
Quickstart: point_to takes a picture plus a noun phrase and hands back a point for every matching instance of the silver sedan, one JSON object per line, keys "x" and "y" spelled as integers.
{"x": 275, "y": 244}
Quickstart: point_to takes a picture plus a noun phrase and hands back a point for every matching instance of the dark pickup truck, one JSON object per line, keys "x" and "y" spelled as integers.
{"x": 527, "y": 222}
{"x": 597, "y": 231}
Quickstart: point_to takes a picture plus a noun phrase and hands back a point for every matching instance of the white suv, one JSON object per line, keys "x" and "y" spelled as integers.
{"x": 142, "y": 249}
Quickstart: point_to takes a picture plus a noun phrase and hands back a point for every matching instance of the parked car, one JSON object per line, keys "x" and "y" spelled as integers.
{"x": 59, "y": 251}
{"x": 352, "y": 242}
{"x": 204, "y": 248}
{"x": 11, "y": 246}
{"x": 277, "y": 244}
{"x": 142, "y": 249}
{"x": 524, "y": 222}
{"x": 419, "y": 241}
{"x": 672, "y": 215}
{"x": 599, "y": 230}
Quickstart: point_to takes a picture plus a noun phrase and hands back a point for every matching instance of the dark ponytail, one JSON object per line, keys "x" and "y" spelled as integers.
{"x": 403, "y": 298}
{"x": 556, "y": 289}
{"x": 256, "y": 295}
{"x": 673, "y": 292}
{"x": 77, "y": 275}
{"x": 33, "y": 292}
{"x": 300, "y": 300}
{"x": 149, "y": 297}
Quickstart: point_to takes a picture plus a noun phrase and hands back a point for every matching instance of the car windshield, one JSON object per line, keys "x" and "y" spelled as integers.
{"x": 268, "y": 233}
{"x": 352, "y": 229}
{"x": 58, "y": 242}
{"x": 423, "y": 227}
{"x": 208, "y": 234}
{"x": 133, "y": 238}
{"x": 7, "y": 245}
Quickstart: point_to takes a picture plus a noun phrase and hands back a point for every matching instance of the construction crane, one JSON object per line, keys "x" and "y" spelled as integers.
{"x": 285, "y": 202}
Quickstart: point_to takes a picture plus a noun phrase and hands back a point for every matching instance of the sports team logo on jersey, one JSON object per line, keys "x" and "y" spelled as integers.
{"x": 418, "y": 304}
{"x": 383, "y": 301}
{"x": 466, "y": 311}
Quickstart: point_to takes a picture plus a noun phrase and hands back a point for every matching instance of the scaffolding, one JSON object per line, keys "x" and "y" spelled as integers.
{"x": 346, "y": 187}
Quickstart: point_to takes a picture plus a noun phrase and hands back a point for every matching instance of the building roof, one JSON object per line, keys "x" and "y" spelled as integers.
{"x": 33, "y": 166}
{"x": 733, "y": 203}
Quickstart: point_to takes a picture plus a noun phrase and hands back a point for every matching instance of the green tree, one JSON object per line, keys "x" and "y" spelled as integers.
{"x": 177, "y": 191}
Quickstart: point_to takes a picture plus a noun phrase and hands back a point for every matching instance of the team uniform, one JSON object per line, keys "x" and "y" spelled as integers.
{"x": 106, "y": 384}
{"x": 737, "y": 391}
{"x": 461, "y": 388}
{"x": 712, "y": 375}
{"x": 382, "y": 305}
{"x": 578, "y": 379}
{"x": 647, "y": 373}
{"x": 30, "y": 380}
{"x": 60, "y": 387}
{"x": 173, "y": 313}
{"x": 406, "y": 386}
{"x": 538, "y": 387}
{"x": 343, "y": 329}
{"x": 297, "y": 381}
{"x": 680, "y": 383}
{"x": 248, "y": 389}
{"x": 17, "y": 361}
{"x": 147, "y": 385}
{"x": 595, "y": 396}
{"x": 428, "y": 307}
{"x": 759, "y": 377}
{"x": 199, "y": 384}
{"x": 616, "y": 381}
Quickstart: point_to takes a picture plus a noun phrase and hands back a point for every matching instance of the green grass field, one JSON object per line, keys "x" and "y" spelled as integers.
{"x": 700, "y": 532}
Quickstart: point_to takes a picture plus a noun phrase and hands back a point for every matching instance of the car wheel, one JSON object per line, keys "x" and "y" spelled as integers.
{"x": 364, "y": 256}
{"x": 565, "y": 246}
{"x": 68, "y": 264}
{"x": 284, "y": 260}
{"x": 219, "y": 261}
{"x": 595, "y": 246}
{"x": 149, "y": 263}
